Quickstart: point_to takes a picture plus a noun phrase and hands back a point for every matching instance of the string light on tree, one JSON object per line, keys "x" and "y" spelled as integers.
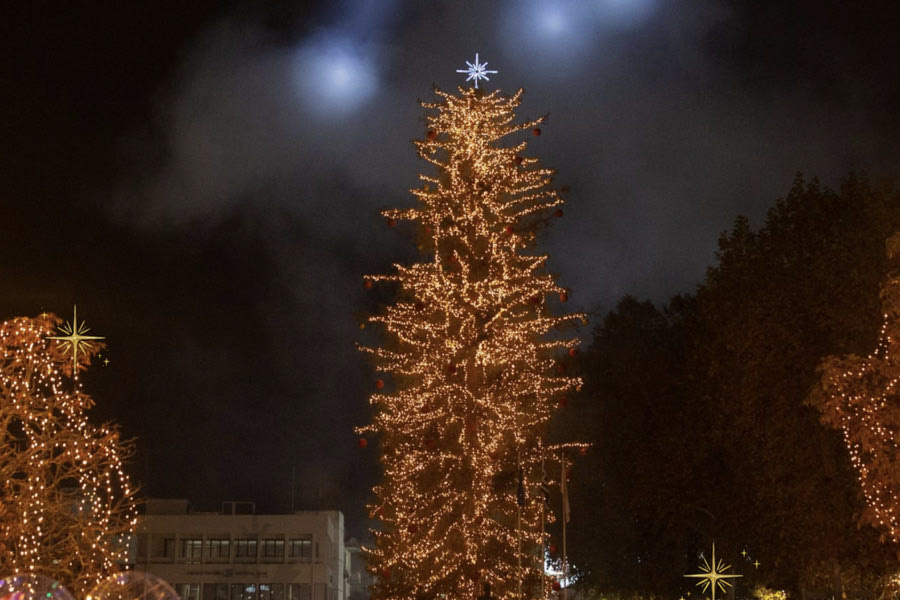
{"x": 471, "y": 361}
{"x": 66, "y": 503}
{"x": 859, "y": 396}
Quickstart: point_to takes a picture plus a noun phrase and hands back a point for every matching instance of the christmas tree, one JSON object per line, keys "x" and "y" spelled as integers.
{"x": 66, "y": 505}
{"x": 473, "y": 364}
{"x": 860, "y": 397}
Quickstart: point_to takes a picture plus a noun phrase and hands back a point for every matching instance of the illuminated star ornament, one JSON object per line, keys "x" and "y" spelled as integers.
{"x": 476, "y": 71}
{"x": 75, "y": 337}
{"x": 713, "y": 574}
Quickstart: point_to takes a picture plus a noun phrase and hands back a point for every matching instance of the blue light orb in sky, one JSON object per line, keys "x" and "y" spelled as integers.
{"x": 334, "y": 76}
{"x": 546, "y": 31}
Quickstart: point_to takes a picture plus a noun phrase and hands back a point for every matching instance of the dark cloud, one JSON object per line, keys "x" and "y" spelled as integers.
{"x": 216, "y": 226}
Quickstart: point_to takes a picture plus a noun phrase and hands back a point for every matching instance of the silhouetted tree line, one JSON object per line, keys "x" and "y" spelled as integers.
{"x": 696, "y": 409}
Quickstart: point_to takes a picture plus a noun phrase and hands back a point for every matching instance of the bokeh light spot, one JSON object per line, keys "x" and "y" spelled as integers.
{"x": 333, "y": 75}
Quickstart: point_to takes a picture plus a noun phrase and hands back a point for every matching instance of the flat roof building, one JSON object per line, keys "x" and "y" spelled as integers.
{"x": 239, "y": 555}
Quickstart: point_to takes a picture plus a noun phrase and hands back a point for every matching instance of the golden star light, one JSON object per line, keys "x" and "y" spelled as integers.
{"x": 75, "y": 337}
{"x": 713, "y": 574}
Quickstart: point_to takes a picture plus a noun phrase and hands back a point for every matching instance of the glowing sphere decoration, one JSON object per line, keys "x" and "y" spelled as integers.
{"x": 32, "y": 587}
{"x": 133, "y": 585}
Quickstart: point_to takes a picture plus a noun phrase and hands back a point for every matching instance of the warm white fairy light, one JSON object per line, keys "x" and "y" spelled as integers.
{"x": 475, "y": 362}
{"x": 859, "y": 397}
{"x": 66, "y": 503}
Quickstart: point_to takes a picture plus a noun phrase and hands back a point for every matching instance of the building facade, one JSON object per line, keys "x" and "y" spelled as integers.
{"x": 238, "y": 555}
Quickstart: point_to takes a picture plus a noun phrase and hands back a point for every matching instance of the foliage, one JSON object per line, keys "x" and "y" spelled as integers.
{"x": 858, "y": 397}
{"x": 66, "y": 506}
{"x": 699, "y": 406}
{"x": 761, "y": 592}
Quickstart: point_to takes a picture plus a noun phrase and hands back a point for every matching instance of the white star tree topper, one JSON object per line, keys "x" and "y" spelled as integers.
{"x": 476, "y": 71}
{"x": 713, "y": 574}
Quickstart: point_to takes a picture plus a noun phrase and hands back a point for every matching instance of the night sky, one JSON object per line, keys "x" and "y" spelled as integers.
{"x": 203, "y": 179}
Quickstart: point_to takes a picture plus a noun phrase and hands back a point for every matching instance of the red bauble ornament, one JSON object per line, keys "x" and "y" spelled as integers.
{"x": 558, "y": 213}
{"x": 553, "y": 548}
{"x": 563, "y": 401}
{"x": 431, "y": 134}
{"x": 556, "y": 586}
{"x": 451, "y": 370}
{"x": 535, "y": 299}
{"x": 379, "y": 383}
{"x": 367, "y": 284}
{"x": 510, "y": 230}
{"x": 386, "y": 573}
{"x": 564, "y": 297}
{"x": 573, "y": 352}
{"x": 363, "y": 442}
{"x": 583, "y": 451}
{"x": 519, "y": 160}
{"x": 479, "y": 520}
{"x": 392, "y": 222}
{"x": 536, "y": 131}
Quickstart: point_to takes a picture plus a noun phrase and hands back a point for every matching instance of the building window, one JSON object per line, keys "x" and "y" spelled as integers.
{"x": 245, "y": 550}
{"x": 249, "y": 592}
{"x": 273, "y": 550}
{"x": 265, "y": 591}
{"x": 169, "y": 548}
{"x": 301, "y": 548}
{"x": 299, "y": 591}
{"x": 188, "y": 591}
{"x": 191, "y": 550}
{"x": 277, "y": 591}
{"x": 217, "y": 551}
{"x": 215, "y": 591}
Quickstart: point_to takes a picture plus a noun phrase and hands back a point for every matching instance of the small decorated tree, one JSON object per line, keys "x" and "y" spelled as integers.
{"x": 66, "y": 504}
{"x": 473, "y": 364}
{"x": 861, "y": 398}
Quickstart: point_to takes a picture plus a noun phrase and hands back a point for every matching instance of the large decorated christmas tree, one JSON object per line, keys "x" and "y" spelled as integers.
{"x": 67, "y": 507}
{"x": 473, "y": 363}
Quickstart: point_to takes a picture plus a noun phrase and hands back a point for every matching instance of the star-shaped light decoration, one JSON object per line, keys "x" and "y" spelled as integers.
{"x": 75, "y": 337}
{"x": 713, "y": 574}
{"x": 476, "y": 71}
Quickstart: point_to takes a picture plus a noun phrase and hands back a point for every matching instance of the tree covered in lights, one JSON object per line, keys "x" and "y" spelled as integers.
{"x": 473, "y": 364}
{"x": 860, "y": 397}
{"x": 66, "y": 504}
